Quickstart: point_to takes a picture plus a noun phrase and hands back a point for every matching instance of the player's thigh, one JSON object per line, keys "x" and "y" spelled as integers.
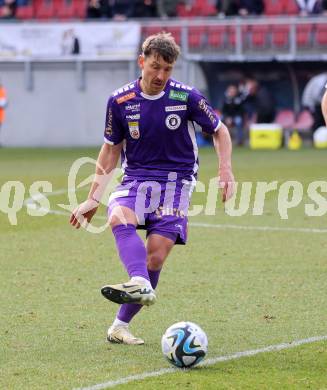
{"x": 158, "y": 248}
{"x": 122, "y": 215}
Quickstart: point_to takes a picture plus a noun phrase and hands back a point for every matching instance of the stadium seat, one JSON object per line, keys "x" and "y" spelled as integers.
{"x": 184, "y": 10}
{"x": 175, "y": 32}
{"x": 280, "y": 35}
{"x": 216, "y": 36}
{"x": 44, "y": 9}
{"x": 196, "y": 36}
{"x": 80, "y": 8}
{"x": 66, "y": 9}
{"x": 274, "y": 7}
{"x": 291, "y": 8}
{"x": 231, "y": 35}
{"x": 150, "y": 30}
{"x": 25, "y": 12}
{"x": 304, "y": 122}
{"x": 304, "y": 35}
{"x": 260, "y": 36}
{"x": 321, "y": 34}
{"x": 204, "y": 8}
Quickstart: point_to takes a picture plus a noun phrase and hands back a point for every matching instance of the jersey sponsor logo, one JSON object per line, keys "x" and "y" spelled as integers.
{"x": 173, "y": 121}
{"x": 133, "y": 107}
{"x": 126, "y": 97}
{"x": 134, "y": 130}
{"x": 204, "y": 107}
{"x": 178, "y": 95}
{"x": 108, "y": 130}
{"x": 176, "y": 108}
{"x": 133, "y": 117}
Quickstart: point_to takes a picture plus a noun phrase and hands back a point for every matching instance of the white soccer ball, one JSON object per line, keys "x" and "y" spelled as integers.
{"x": 184, "y": 344}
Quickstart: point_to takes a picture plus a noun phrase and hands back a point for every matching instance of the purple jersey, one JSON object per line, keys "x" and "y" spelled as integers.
{"x": 158, "y": 130}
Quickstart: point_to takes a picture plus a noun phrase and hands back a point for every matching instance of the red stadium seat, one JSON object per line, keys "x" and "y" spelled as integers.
{"x": 150, "y": 30}
{"x": 280, "y": 35}
{"x": 66, "y": 9}
{"x": 260, "y": 36}
{"x": 321, "y": 34}
{"x": 196, "y": 36}
{"x": 231, "y": 35}
{"x": 44, "y": 9}
{"x": 25, "y": 12}
{"x": 291, "y": 8}
{"x": 216, "y": 36}
{"x": 204, "y": 8}
{"x": 304, "y": 35}
{"x": 80, "y": 8}
{"x": 184, "y": 11}
{"x": 175, "y": 32}
{"x": 274, "y": 7}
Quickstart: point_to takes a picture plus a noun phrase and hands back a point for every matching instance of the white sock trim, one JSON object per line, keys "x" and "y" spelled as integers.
{"x": 117, "y": 322}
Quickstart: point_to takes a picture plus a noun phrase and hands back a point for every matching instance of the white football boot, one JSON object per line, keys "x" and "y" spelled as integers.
{"x": 122, "y": 335}
{"x": 130, "y": 292}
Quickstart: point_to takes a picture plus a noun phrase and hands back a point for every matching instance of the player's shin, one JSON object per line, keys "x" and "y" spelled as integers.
{"x": 131, "y": 250}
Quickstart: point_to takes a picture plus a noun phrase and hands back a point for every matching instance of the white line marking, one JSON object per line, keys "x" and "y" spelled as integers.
{"x": 195, "y": 224}
{"x": 208, "y": 362}
{"x": 260, "y": 228}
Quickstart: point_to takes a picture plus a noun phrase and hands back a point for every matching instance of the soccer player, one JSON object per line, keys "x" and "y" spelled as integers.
{"x": 324, "y": 105}
{"x": 150, "y": 123}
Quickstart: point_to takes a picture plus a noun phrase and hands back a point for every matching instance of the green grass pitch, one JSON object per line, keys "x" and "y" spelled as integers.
{"x": 246, "y": 288}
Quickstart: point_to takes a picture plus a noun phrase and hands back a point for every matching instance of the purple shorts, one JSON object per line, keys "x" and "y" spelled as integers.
{"x": 161, "y": 207}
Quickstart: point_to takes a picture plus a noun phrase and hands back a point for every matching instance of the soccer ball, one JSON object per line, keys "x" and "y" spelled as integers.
{"x": 184, "y": 344}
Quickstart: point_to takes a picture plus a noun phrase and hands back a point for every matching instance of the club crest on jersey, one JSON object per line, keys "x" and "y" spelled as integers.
{"x": 134, "y": 130}
{"x": 173, "y": 121}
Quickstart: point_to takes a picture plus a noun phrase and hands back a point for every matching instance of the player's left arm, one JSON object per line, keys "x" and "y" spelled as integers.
{"x": 223, "y": 146}
{"x": 324, "y": 106}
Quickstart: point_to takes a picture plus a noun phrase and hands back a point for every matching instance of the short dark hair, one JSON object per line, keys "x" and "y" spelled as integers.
{"x": 162, "y": 44}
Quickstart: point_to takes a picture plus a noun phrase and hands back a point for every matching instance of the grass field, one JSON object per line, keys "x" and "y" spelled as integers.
{"x": 254, "y": 282}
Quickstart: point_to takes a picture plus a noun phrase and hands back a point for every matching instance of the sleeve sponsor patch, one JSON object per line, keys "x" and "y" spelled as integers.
{"x": 126, "y": 97}
{"x": 178, "y": 95}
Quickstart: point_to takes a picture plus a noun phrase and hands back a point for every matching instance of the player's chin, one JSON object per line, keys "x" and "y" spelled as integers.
{"x": 158, "y": 87}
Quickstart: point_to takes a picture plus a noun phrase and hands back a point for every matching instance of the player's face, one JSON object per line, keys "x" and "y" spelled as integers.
{"x": 155, "y": 73}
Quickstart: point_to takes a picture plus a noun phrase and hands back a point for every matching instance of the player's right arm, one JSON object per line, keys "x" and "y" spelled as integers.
{"x": 106, "y": 163}
{"x": 324, "y": 106}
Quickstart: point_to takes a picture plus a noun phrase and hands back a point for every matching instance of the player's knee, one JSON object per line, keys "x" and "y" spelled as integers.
{"x": 155, "y": 261}
{"x": 114, "y": 220}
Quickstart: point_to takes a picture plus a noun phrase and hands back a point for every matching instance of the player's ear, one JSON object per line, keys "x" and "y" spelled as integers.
{"x": 141, "y": 61}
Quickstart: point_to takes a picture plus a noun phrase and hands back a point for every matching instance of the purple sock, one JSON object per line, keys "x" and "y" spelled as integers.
{"x": 131, "y": 250}
{"x": 128, "y": 310}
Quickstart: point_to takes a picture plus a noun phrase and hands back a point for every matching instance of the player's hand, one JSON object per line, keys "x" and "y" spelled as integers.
{"x": 226, "y": 183}
{"x": 84, "y": 213}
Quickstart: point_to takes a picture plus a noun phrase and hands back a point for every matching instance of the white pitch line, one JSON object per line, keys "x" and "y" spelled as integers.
{"x": 221, "y": 226}
{"x": 260, "y": 228}
{"x": 195, "y": 224}
{"x": 208, "y": 362}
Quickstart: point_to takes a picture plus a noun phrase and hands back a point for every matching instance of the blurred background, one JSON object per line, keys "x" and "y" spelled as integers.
{"x": 261, "y": 63}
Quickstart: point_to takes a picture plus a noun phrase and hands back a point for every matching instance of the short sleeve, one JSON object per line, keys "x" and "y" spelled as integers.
{"x": 114, "y": 131}
{"x": 202, "y": 113}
